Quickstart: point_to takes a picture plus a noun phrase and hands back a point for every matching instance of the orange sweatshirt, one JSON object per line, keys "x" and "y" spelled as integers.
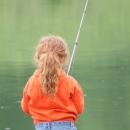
{"x": 69, "y": 100}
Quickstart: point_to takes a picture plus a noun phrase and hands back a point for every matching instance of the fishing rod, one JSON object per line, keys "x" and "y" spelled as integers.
{"x": 76, "y": 41}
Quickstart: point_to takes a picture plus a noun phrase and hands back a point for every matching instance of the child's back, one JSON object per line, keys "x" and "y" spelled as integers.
{"x": 50, "y": 96}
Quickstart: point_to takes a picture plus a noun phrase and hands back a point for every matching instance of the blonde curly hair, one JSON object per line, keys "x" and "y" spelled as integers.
{"x": 51, "y": 54}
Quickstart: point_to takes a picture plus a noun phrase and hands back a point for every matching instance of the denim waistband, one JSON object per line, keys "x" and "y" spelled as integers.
{"x": 55, "y": 123}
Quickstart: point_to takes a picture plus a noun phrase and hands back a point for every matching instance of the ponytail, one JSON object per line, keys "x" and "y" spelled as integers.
{"x": 50, "y": 70}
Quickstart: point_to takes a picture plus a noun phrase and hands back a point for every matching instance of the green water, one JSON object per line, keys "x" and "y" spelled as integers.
{"x": 101, "y": 63}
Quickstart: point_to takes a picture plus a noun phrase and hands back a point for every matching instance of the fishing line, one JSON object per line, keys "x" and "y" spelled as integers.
{"x": 76, "y": 41}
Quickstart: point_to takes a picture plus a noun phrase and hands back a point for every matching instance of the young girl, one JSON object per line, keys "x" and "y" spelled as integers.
{"x": 52, "y": 98}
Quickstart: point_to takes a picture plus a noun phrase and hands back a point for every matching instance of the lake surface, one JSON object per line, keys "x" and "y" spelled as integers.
{"x": 101, "y": 63}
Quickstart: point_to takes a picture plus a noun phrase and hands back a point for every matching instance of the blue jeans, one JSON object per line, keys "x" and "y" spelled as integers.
{"x": 55, "y": 125}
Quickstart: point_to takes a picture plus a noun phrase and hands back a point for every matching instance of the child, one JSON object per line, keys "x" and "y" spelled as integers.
{"x": 52, "y": 98}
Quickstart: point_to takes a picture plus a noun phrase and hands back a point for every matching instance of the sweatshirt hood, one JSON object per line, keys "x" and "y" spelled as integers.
{"x": 61, "y": 77}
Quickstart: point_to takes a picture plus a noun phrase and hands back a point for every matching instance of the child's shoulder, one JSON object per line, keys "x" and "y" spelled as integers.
{"x": 71, "y": 79}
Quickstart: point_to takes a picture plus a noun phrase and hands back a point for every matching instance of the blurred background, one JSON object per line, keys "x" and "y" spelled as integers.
{"x": 101, "y": 63}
